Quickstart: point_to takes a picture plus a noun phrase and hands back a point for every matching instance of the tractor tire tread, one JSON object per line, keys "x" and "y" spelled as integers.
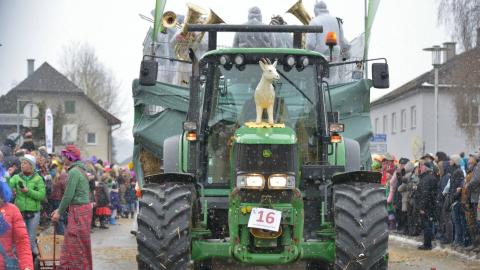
{"x": 361, "y": 226}
{"x": 164, "y": 225}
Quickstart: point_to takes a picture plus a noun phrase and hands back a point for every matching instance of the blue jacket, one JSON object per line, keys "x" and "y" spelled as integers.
{"x": 114, "y": 200}
{"x": 130, "y": 195}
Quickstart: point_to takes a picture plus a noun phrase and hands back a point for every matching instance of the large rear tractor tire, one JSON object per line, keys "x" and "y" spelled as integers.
{"x": 164, "y": 224}
{"x": 361, "y": 226}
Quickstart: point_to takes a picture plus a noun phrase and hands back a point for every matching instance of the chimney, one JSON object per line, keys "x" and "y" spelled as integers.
{"x": 450, "y": 51}
{"x": 30, "y": 66}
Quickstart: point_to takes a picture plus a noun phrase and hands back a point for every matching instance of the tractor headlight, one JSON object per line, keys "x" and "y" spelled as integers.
{"x": 290, "y": 60}
{"x": 304, "y": 60}
{"x": 251, "y": 181}
{"x": 226, "y": 62}
{"x": 239, "y": 60}
{"x": 281, "y": 181}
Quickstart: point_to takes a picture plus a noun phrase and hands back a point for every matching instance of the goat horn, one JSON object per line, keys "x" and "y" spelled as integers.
{"x": 268, "y": 61}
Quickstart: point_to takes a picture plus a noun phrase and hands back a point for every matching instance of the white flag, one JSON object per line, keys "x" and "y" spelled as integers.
{"x": 49, "y": 130}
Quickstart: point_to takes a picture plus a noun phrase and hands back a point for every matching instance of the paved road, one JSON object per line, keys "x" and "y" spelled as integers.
{"x": 404, "y": 255}
{"x": 115, "y": 248}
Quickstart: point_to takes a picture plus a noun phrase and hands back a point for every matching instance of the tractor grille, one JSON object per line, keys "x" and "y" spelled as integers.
{"x": 266, "y": 158}
{"x": 257, "y": 196}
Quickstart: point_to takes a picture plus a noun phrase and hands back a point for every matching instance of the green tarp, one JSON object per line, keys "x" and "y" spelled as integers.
{"x": 351, "y": 100}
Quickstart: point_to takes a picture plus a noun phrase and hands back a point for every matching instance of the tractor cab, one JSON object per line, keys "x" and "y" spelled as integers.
{"x": 228, "y": 80}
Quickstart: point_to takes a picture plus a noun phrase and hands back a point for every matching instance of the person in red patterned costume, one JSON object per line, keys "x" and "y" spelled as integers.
{"x": 77, "y": 250}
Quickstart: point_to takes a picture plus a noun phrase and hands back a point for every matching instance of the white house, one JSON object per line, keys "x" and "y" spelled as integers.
{"x": 85, "y": 123}
{"x": 406, "y": 115}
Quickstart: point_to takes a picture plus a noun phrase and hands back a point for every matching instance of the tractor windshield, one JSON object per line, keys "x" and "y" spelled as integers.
{"x": 233, "y": 105}
{"x": 234, "y": 89}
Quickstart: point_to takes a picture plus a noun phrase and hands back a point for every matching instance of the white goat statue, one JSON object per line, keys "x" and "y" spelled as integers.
{"x": 264, "y": 93}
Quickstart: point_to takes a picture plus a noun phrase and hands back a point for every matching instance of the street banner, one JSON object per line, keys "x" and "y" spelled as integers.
{"x": 372, "y": 10}
{"x": 157, "y": 23}
{"x": 49, "y": 130}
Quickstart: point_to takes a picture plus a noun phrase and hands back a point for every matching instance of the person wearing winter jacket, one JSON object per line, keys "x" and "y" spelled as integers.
{"x": 458, "y": 215}
{"x": 102, "y": 201}
{"x": 114, "y": 203}
{"x": 467, "y": 206}
{"x": 444, "y": 211}
{"x": 427, "y": 191}
{"x": 13, "y": 233}
{"x": 29, "y": 188}
{"x": 405, "y": 194}
{"x": 131, "y": 199}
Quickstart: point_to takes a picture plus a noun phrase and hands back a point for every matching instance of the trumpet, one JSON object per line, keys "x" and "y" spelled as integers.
{"x": 169, "y": 19}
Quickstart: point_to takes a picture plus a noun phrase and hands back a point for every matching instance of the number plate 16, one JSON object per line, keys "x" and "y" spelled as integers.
{"x": 264, "y": 218}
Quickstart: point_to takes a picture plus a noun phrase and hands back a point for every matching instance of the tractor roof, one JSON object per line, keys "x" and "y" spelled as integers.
{"x": 281, "y": 51}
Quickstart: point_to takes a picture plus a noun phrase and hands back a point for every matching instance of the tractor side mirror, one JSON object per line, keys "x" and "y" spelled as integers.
{"x": 148, "y": 72}
{"x": 380, "y": 75}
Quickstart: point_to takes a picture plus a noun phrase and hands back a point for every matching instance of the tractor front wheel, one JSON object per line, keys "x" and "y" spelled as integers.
{"x": 164, "y": 224}
{"x": 361, "y": 226}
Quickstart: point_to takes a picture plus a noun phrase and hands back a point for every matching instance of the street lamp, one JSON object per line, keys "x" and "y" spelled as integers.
{"x": 436, "y": 62}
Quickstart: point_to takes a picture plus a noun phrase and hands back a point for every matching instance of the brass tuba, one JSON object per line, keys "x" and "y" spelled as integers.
{"x": 194, "y": 14}
{"x": 298, "y": 10}
{"x": 189, "y": 39}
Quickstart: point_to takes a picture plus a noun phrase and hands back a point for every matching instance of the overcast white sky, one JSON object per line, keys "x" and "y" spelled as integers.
{"x": 40, "y": 28}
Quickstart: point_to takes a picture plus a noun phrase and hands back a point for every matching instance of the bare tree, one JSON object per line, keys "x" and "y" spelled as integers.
{"x": 461, "y": 18}
{"x": 81, "y": 65}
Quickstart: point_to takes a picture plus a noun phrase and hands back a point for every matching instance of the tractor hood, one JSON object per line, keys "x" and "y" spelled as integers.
{"x": 270, "y": 135}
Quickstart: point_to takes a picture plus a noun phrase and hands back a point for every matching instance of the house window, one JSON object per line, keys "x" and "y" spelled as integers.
{"x": 70, "y": 106}
{"x": 403, "y": 120}
{"x": 91, "y": 138}
{"x": 377, "y": 122}
{"x": 413, "y": 117}
{"x": 385, "y": 124}
{"x": 394, "y": 123}
{"x": 469, "y": 113}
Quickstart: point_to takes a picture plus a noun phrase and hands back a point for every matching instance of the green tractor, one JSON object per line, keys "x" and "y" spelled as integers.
{"x": 257, "y": 193}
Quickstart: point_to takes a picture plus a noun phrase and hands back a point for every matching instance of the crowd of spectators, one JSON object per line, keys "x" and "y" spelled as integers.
{"x": 436, "y": 196}
{"x": 34, "y": 182}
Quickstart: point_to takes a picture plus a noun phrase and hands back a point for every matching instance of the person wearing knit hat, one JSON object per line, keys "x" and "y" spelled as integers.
{"x": 71, "y": 152}
{"x": 455, "y": 160}
{"x": 76, "y": 199}
{"x": 30, "y": 192}
{"x": 30, "y": 159}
